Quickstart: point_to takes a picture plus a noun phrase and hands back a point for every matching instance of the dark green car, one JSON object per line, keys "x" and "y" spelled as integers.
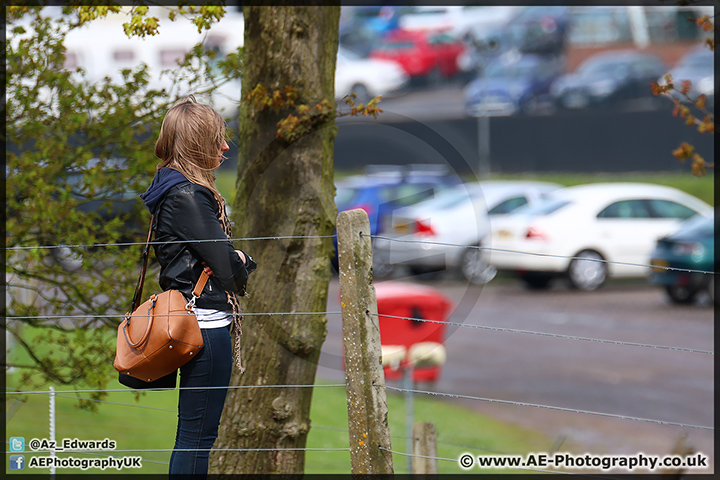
{"x": 692, "y": 247}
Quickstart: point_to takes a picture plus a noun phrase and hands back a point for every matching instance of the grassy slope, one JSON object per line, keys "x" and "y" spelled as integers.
{"x": 148, "y": 421}
{"x": 701, "y": 187}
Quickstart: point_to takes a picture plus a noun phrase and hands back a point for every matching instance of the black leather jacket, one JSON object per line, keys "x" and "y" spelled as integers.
{"x": 190, "y": 212}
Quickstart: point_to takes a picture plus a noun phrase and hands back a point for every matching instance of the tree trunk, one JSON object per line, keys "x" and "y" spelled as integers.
{"x": 283, "y": 189}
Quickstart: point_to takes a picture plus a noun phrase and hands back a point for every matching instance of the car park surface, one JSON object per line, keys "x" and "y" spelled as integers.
{"x": 589, "y": 232}
{"x": 692, "y": 247}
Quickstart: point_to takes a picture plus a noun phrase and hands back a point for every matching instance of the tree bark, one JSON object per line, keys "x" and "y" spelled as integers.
{"x": 283, "y": 189}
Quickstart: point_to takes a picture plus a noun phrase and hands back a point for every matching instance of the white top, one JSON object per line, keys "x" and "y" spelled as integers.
{"x": 211, "y": 318}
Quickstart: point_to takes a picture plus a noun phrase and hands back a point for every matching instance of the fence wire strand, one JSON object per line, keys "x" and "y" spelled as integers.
{"x": 118, "y": 315}
{"x": 546, "y": 334}
{"x": 526, "y": 404}
{"x": 492, "y": 249}
{"x": 455, "y": 460}
{"x": 231, "y": 387}
{"x": 397, "y": 240}
{"x": 130, "y": 244}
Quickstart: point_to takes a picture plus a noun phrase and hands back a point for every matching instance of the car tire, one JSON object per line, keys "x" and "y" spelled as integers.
{"x": 536, "y": 280}
{"x": 362, "y": 94}
{"x": 435, "y": 77}
{"x": 681, "y": 295}
{"x": 475, "y": 267}
{"x": 530, "y": 106}
{"x": 588, "y": 271}
{"x": 583, "y": 101}
{"x": 711, "y": 291}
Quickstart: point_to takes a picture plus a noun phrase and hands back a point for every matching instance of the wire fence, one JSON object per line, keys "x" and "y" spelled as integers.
{"x": 391, "y": 239}
{"x": 64, "y": 393}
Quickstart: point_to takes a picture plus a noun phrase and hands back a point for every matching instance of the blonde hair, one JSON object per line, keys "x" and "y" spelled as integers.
{"x": 190, "y": 138}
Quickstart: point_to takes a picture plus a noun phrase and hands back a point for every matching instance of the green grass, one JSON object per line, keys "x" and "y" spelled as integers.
{"x": 148, "y": 421}
{"x": 701, "y": 187}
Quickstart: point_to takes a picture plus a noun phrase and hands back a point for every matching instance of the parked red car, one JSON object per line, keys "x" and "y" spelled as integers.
{"x": 422, "y": 54}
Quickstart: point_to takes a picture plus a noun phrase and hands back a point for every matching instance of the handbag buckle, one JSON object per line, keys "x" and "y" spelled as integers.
{"x": 190, "y": 305}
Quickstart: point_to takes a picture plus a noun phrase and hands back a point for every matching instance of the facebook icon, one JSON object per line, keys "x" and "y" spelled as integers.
{"x": 17, "y": 462}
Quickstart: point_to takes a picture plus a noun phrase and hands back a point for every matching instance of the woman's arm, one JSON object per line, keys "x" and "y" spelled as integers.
{"x": 196, "y": 219}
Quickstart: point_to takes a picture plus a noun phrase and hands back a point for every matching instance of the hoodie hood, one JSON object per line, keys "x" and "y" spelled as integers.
{"x": 164, "y": 180}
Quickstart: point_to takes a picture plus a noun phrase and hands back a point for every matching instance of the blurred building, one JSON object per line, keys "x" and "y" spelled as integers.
{"x": 668, "y": 30}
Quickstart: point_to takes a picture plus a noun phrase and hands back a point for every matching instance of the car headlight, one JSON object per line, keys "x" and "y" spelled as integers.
{"x": 602, "y": 88}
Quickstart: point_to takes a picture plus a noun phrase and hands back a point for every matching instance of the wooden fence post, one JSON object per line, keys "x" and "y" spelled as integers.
{"x": 424, "y": 445}
{"x": 365, "y": 379}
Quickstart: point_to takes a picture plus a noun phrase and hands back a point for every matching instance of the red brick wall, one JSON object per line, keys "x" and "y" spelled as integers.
{"x": 670, "y": 53}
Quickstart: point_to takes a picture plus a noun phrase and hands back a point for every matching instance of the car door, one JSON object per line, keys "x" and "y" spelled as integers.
{"x": 445, "y": 51}
{"x": 628, "y": 230}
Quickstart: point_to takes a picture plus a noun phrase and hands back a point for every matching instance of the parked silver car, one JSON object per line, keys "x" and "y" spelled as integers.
{"x": 444, "y": 232}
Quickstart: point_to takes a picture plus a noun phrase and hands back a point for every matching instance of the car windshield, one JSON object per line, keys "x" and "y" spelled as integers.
{"x": 601, "y": 67}
{"x": 699, "y": 60}
{"x": 447, "y": 199}
{"x": 512, "y": 70}
{"x": 397, "y": 45}
{"x": 344, "y": 194}
{"x": 347, "y": 55}
{"x": 545, "y": 207}
{"x": 699, "y": 225}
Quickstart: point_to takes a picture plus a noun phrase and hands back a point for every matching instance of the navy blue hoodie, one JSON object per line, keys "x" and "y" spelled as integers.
{"x": 164, "y": 180}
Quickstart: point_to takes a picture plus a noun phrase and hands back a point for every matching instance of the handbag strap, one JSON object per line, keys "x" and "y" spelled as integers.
{"x": 199, "y": 286}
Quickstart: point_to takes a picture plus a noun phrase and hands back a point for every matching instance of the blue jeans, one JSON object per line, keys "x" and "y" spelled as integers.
{"x": 199, "y": 410}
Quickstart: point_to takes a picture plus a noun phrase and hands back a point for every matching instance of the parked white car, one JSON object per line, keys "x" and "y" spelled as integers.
{"x": 590, "y": 232}
{"x": 464, "y": 22}
{"x": 366, "y": 77}
{"x": 424, "y": 236}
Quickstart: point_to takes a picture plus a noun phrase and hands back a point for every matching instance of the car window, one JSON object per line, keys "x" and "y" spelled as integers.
{"x": 344, "y": 195}
{"x": 543, "y": 208}
{"x": 508, "y": 205}
{"x": 626, "y": 209}
{"x": 396, "y": 46}
{"x": 668, "y": 209}
{"x": 409, "y": 194}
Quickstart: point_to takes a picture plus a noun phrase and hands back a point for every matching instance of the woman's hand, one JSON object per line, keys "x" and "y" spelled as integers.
{"x": 242, "y": 256}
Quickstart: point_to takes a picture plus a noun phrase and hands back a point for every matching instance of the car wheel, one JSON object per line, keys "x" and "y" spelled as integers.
{"x": 362, "y": 94}
{"x": 588, "y": 271}
{"x": 475, "y": 267}
{"x": 681, "y": 295}
{"x": 530, "y": 106}
{"x": 434, "y": 78}
{"x": 536, "y": 280}
{"x": 574, "y": 100}
{"x": 711, "y": 291}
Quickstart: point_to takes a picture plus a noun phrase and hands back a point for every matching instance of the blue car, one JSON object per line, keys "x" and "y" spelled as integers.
{"x": 512, "y": 84}
{"x": 691, "y": 250}
{"x": 384, "y": 189}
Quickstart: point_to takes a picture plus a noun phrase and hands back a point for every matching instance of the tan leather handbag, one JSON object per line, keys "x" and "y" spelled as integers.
{"x": 160, "y": 335}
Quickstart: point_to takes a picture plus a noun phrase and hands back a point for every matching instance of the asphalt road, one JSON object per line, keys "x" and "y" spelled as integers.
{"x": 645, "y": 382}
